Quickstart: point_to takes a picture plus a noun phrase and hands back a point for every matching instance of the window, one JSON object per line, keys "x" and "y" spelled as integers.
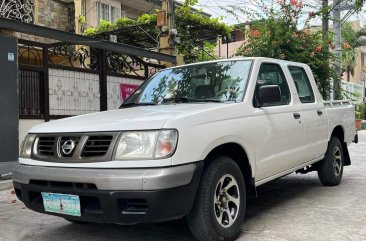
{"x": 272, "y": 74}
{"x": 107, "y": 12}
{"x": 302, "y": 84}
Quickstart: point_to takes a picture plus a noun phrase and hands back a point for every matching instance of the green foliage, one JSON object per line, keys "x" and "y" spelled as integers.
{"x": 192, "y": 26}
{"x": 349, "y": 44}
{"x": 360, "y": 111}
{"x": 359, "y": 4}
{"x": 277, "y": 36}
{"x": 82, "y": 19}
{"x": 351, "y": 41}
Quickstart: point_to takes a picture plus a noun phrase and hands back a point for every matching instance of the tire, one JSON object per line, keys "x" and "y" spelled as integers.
{"x": 209, "y": 219}
{"x": 330, "y": 169}
{"x": 76, "y": 221}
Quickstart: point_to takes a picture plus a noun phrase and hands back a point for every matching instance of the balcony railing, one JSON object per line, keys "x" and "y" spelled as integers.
{"x": 21, "y": 10}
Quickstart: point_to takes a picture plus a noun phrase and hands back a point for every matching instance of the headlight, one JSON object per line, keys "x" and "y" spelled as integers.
{"x": 146, "y": 144}
{"x": 26, "y": 149}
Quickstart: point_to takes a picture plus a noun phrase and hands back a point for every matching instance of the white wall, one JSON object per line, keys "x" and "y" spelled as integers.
{"x": 114, "y": 91}
{"x": 73, "y": 92}
{"x": 25, "y": 126}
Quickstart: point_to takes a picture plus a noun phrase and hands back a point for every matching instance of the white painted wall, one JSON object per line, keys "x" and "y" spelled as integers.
{"x": 25, "y": 126}
{"x": 114, "y": 90}
{"x": 73, "y": 92}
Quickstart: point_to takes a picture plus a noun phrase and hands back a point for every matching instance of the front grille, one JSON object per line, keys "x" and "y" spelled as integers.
{"x": 75, "y": 147}
{"x": 46, "y": 145}
{"x": 96, "y": 146}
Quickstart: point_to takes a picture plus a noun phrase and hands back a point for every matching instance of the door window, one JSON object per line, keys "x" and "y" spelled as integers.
{"x": 302, "y": 84}
{"x": 272, "y": 74}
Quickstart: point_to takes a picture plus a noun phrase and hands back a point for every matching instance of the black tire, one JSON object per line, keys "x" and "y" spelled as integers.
{"x": 76, "y": 221}
{"x": 203, "y": 220}
{"x": 330, "y": 169}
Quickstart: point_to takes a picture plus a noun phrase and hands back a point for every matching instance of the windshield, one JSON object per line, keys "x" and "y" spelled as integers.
{"x": 211, "y": 82}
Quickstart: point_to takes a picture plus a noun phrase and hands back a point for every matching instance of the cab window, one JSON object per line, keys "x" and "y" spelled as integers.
{"x": 272, "y": 74}
{"x": 302, "y": 84}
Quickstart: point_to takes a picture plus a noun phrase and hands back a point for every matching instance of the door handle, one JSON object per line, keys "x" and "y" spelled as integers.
{"x": 319, "y": 112}
{"x": 297, "y": 115}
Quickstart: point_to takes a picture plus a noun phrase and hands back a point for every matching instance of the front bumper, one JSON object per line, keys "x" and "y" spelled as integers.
{"x": 159, "y": 200}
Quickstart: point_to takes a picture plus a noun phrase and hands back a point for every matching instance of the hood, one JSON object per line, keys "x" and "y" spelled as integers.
{"x": 134, "y": 118}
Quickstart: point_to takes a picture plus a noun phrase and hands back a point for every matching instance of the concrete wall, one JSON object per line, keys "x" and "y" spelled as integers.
{"x": 221, "y": 49}
{"x": 25, "y": 126}
{"x": 55, "y": 15}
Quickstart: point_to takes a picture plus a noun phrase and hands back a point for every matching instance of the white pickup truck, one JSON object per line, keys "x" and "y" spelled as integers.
{"x": 194, "y": 141}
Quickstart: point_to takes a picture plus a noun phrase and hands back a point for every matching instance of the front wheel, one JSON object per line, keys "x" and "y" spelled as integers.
{"x": 330, "y": 169}
{"x": 219, "y": 208}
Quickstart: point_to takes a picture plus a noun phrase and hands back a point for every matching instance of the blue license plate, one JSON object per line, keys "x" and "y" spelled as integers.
{"x": 61, "y": 203}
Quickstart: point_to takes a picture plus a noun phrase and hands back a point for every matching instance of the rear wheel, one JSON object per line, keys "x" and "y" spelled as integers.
{"x": 330, "y": 169}
{"x": 219, "y": 208}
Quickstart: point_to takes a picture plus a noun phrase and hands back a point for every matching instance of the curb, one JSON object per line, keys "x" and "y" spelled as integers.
{"x": 6, "y": 184}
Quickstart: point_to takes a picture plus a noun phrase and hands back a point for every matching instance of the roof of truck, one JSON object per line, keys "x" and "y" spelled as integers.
{"x": 240, "y": 58}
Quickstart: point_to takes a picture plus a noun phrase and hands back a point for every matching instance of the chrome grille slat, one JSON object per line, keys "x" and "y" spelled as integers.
{"x": 46, "y": 145}
{"x": 96, "y": 146}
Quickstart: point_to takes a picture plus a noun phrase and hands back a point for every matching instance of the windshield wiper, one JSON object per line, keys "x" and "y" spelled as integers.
{"x": 187, "y": 100}
{"x": 178, "y": 100}
{"x": 213, "y": 100}
{"x": 133, "y": 104}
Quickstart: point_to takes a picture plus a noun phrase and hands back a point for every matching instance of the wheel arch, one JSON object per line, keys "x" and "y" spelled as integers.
{"x": 338, "y": 132}
{"x": 239, "y": 155}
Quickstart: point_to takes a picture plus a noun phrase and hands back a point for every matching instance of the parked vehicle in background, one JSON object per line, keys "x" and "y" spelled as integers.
{"x": 192, "y": 141}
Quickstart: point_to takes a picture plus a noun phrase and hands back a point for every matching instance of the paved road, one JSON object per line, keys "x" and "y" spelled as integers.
{"x": 296, "y": 207}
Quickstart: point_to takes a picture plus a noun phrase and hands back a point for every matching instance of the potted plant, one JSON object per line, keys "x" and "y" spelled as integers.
{"x": 358, "y": 120}
{"x": 359, "y": 115}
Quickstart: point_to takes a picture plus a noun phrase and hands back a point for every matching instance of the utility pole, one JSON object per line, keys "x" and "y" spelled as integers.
{"x": 337, "y": 26}
{"x": 337, "y": 52}
{"x": 168, "y": 38}
{"x": 325, "y": 20}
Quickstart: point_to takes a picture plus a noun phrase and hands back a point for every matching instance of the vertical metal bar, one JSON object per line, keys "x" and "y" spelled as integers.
{"x": 227, "y": 47}
{"x": 146, "y": 71}
{"x": 103, "y": 79}
{"x": 45, "y": 86}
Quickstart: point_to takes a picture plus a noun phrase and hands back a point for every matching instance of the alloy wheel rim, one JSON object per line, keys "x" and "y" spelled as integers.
{"x": 226, "y": 200}
{"x": 337, "y": 161}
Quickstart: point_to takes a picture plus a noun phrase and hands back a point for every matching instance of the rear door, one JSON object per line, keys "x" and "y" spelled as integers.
{"x": 280, "y": 134}
{"x": 312, "y": 113}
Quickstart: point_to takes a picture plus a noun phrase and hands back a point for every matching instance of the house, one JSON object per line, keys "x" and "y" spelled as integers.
{"x": 228, "y": 46}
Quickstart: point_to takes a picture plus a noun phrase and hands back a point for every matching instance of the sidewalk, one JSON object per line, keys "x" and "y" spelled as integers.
{"x": 6, "y": 184}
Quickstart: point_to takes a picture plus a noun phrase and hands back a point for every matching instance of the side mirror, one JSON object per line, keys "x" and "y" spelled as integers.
{"x": 268, "y": 94}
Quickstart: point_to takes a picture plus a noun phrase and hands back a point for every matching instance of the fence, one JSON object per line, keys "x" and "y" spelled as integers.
{"x": 353, "y": 91}
{"x": 59, "y": 80}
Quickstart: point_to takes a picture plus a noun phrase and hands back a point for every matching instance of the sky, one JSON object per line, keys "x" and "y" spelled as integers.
{"x": 217, "y": 9}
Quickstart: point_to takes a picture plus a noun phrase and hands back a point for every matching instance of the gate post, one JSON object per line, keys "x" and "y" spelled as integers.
{"x": 9, "y": 104}
{"x": 46, "y": 94}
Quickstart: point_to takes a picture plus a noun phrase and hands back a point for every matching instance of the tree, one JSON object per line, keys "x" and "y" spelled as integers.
{"x": 277, "y": 36}
{"x": 194, "y": 29}
{"x": 351, "y": 41}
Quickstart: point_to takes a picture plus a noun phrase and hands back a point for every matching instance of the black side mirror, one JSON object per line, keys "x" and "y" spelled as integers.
{"x": 268, "y": 94}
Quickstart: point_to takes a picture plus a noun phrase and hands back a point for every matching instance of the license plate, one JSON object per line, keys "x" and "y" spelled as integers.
{"x": 61, "y": 203}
